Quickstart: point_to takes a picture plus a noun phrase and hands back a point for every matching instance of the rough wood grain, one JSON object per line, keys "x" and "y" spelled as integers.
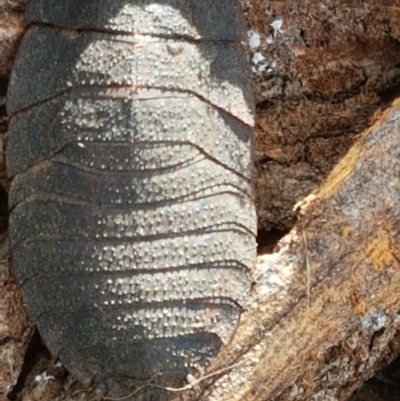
{"x": 328, "y": 306}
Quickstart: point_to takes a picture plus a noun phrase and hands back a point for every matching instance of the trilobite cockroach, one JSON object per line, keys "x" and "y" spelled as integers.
{"x": 132, "y": 218}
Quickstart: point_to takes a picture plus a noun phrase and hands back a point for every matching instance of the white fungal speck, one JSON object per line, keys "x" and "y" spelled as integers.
{"x": 270, "y": 40}
{"x": 258, "y": 57}
{"x": 254, "y": 39}
{"x": 276, "y": 26}
{"x": 374, "y": 322}
{"x": 43, "y": 377}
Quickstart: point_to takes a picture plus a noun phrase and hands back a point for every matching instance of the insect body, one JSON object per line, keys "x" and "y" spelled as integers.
{"x": 132, "y": 218}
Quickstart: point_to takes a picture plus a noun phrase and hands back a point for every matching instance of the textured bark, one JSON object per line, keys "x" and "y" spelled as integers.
{"x": 15, "y": 327}
{"x": 326, "y": 305}
{"x": 319, "y": 81}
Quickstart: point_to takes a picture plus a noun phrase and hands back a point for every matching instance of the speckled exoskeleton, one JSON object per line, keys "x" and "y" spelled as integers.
{"x": 132, "y": 218}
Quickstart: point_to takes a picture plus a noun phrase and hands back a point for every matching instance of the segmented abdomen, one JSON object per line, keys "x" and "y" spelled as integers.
{"x": 133, "y": 223}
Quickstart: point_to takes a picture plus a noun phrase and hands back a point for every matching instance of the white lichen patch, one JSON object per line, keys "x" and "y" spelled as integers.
{"x": 295, "y": 391}
{"x": 259, "y": 45}
{"x": 258, "y": 57}
{"x": 277, "y": 27}
{"x": 43, "y": 377}
{"x": 374, "y": 322}
{"x": 254, "y": 39}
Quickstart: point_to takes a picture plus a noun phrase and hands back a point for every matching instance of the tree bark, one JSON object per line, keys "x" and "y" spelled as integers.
{"x": 325, "y": 307}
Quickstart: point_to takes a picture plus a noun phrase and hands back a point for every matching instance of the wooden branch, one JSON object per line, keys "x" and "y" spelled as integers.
{"x": 327, "y": 301}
